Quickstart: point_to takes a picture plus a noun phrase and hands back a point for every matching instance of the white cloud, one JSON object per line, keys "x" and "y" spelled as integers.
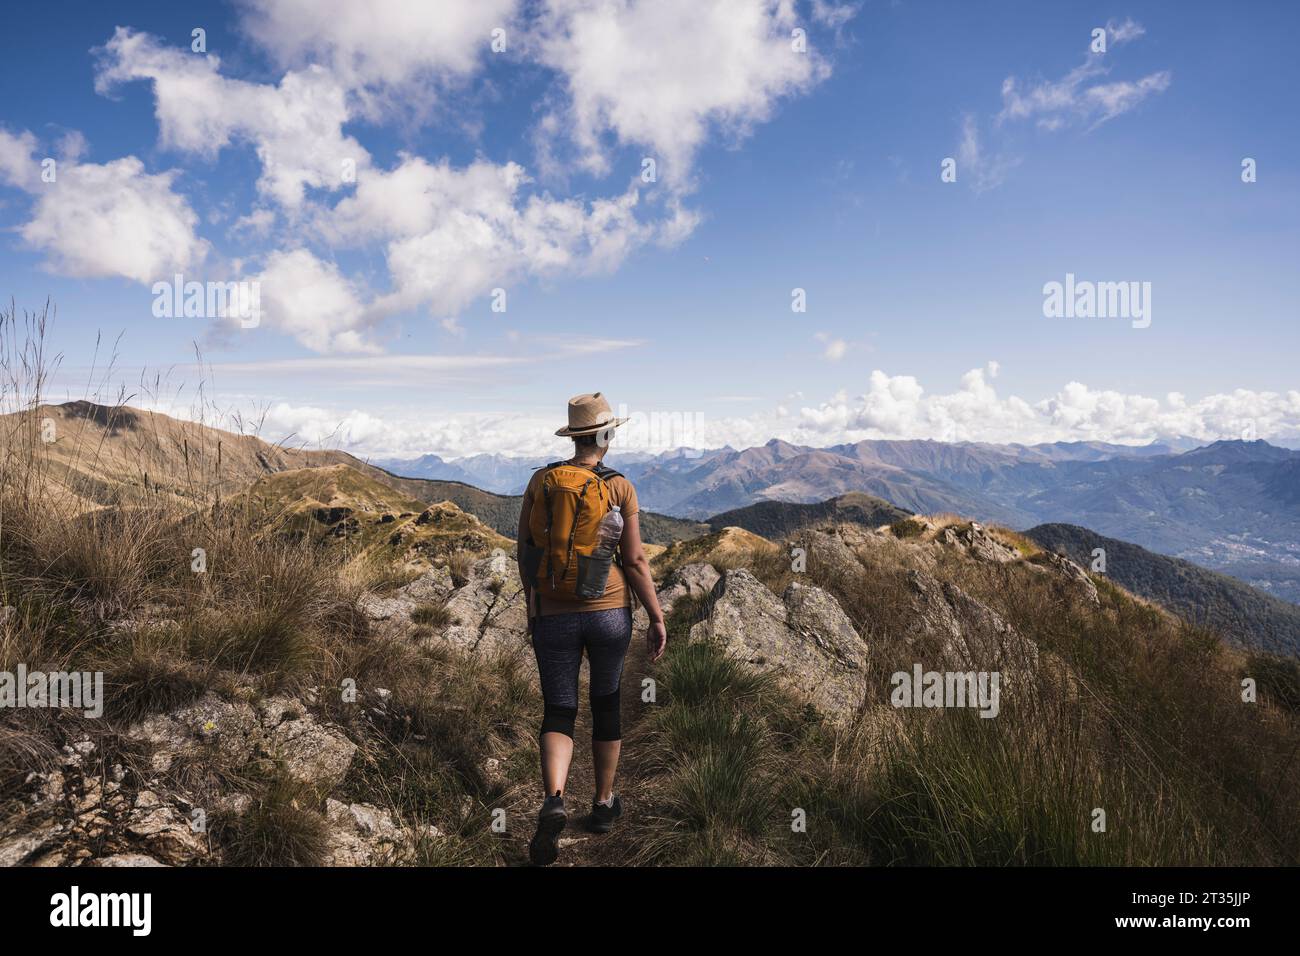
{"x": 1117, "y": 33}
{"x": 449, "y": 234}
{"x": 834, "y": 15}
{"x": 661, "y": 73}
{"x": 898, "y": 407}
{"x": 835, "y": 348}
{"x": 114, "y": 219}
{"x": 389, "y": 46}
{"x": 1108, "y": 100}
{"x": 982, "y": 171}
{"x": 18, "y": 164}
{"x": 312, "y": 301}
{"x": 256, "y": 223}
{"x": 893, "y": 407}
{"x": 296, "y": 126}
{"x": 455, "y": 234}
{"x": 1078, "y": 97}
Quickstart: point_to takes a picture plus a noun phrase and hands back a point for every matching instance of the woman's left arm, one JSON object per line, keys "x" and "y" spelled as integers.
{"x": 520, "y": 537}
{"x": 637, "y": 571}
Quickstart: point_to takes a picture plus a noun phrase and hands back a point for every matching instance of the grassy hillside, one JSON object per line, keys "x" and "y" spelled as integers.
{"x": 1115, "y": 706}
{"x": 1239, "y": 612}
{"x": 341, "y": 508}
{"x": 775, "y": 519}
{"x": 101, "y": 454}
{"x": 94, "y": 455}
{"x": 726, "y": 547}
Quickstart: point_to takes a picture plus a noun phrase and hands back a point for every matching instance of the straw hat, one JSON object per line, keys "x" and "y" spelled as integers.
{"x": 589, "y": 414}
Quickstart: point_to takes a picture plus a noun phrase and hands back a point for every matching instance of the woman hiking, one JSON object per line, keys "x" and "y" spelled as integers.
{"x": 580, "y": 573}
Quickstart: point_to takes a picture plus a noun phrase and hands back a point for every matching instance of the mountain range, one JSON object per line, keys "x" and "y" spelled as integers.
{"x": 1233, "y": 506}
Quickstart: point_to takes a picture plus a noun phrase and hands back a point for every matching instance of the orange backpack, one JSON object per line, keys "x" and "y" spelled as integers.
{"x": 562, "y": 526}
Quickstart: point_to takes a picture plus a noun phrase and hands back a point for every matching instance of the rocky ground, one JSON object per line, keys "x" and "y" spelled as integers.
{"x": 152, "y": 793}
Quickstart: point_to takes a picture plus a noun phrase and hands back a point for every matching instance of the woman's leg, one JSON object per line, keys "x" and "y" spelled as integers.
{"x": 606, "y": 635}
{"x": 557, "y": 644}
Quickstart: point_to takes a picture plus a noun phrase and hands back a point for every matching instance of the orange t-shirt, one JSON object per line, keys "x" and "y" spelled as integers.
{"x": 617, "y": 593}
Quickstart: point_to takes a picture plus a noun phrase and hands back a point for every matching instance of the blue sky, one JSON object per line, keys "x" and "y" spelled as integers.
{"x": 777, "y": 169}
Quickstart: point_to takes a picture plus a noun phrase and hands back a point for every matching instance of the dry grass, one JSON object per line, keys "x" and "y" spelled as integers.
{"x": 174, "y": 595}
{"x": 1129, "y": 710}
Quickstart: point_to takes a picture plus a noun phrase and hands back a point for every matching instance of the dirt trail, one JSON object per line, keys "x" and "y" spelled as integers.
{"x": 578, "y": 846}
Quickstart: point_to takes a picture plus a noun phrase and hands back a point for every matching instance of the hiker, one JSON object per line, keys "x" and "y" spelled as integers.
{"x": 580, "y": 599}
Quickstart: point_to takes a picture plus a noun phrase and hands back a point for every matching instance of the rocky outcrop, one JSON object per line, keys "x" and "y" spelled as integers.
{"x": 128, "y": 859}
{"x": 690, "y": 581}
{"x": 1069, "y": 572}
{"x": 20, "y": 847}
{"x": 978, "y": 543}
{"x": 231, "y": 733}
{"x": 79, "y": 813}
{"x": 948, "y": 628}
{"x": 803, "y": 637}
{"x": 848, "y": 548}
{"x": 212, "y": 727}
{"x": 488, "y": 612}
{"x": 160, "y": 826}
{"x": 311, "y": 753}
{"x": 434, "y": 586}
{"x": 82, "y": 815}
{"x": 365, "y": 835}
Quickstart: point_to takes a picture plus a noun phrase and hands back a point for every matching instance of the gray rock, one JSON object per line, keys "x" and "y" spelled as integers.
{"x": 978, "y": 543}
{"x": 1074, "y": 575}
{"x": 233, "y": 733}
{"x": 211, "y": 727}
{"x": 807, "y": 642}
{"x": 166, "y": 832}
{"x": 273, "y": 710}
{"x": 365, "y": 835}
{"x": 233, "y": 804}
{"x": 816, "y": 617}
{"x": 128, "y": 859}
{"x": 49, "y": 787}
{"x": 488, "y": 613}
{"x": 15, "y": 849}
{"x": 690, "y": 580}
{"x": 434, "y": 585}
{"x": 312, "y": 753}
{"x": 950, "y": 629}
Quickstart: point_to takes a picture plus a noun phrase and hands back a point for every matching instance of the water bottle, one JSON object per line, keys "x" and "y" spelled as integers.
{"x": 609, "y": 533}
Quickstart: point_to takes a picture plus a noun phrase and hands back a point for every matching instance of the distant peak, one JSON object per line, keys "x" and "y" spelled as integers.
{"x": 106, "y": 416}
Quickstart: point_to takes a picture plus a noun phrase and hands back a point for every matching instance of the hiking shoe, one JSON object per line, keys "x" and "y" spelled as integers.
{"x": 545, "y": 844}
{"x": 603, "y": 817}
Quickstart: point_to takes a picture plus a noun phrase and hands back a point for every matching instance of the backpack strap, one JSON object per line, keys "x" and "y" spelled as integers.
{"x": 600, "y": 470}
{"x": 546, "y": 493}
